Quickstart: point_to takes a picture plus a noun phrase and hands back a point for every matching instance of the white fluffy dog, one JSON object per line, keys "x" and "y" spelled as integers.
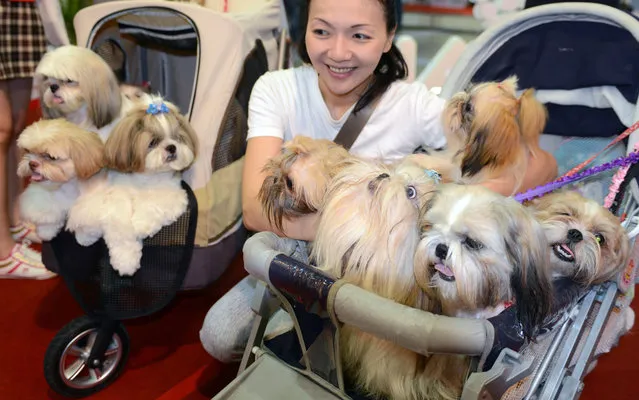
{"x": 61, "y": 159}
{"x": 146, "y": 153}
{"x": 77, "y": 84}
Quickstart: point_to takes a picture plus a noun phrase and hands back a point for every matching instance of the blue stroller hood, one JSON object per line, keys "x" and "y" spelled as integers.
{"x": 582, "y": 58}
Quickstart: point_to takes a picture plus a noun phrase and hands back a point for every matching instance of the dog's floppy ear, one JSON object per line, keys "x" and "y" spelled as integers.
{"x": 532, "y": 116}
{"x": 87, "y": 154}
{"x": 103, "y": 96}
{"x": 493, "y": 141}
{"x": 527, "y": 251}
{"x": 122, "y": 148}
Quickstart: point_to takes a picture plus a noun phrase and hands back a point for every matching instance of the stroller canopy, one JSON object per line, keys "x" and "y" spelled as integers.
{"x": 582, "y": 58}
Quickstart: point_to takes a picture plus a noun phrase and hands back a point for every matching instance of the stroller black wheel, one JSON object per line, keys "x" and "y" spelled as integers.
{"x": 66, "y": 366}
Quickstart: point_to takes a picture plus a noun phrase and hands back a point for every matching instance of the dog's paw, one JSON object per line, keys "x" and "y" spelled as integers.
{"x": 48, "y": 231}
{"x": 86, "y": 238}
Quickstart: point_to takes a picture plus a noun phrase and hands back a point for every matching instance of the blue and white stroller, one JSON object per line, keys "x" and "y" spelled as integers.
{"x": 583, "y": 59}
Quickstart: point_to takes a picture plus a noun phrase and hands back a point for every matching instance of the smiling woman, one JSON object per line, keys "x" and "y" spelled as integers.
{"x": 351, "y": 65}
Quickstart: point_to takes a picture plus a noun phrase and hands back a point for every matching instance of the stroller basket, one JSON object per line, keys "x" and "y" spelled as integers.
{"x": 101, "y": 291}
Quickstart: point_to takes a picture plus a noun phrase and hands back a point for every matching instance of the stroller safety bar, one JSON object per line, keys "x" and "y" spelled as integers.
{"x": 266, "y": 257}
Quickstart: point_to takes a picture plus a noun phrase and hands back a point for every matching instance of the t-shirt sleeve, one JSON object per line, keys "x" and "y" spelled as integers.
{"x": 265, "y": 115}
{"x": 429, "y": 109}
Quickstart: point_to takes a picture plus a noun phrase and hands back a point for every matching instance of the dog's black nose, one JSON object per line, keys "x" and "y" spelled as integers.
{"x": 441, "y": 251}
{"x": 54, "y": 88}
{"x": 33, "y": 165}
{"x": 171, "y": 148}
{"x": 575, "y": 235}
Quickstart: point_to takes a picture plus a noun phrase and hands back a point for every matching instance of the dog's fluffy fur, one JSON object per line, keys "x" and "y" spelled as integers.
{"x": 60, "y": 158}
{"x": 586, "y": 241}
{"x": 145, "y": 155}
{"x": 297, "y": 178}
{"x": 367, "y": 235}
{"x": 480, "y": 250}
{"x": 490, "y": 133}
{"x": 77, "y": 84}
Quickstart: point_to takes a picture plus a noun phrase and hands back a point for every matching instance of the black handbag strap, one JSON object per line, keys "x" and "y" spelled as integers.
{"x": 353, "y": 126}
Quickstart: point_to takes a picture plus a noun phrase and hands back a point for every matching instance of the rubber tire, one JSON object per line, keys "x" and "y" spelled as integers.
{"x": 59, "y": 343}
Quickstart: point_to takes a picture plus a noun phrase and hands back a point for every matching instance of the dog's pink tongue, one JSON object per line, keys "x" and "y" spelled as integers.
{"x": 444, "y": 269}
{"x": 565, "y": 248}
{"x": 36, "y": 177}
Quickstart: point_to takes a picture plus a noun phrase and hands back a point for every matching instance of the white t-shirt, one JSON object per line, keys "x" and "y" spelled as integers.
{"x": 286, "y": 103}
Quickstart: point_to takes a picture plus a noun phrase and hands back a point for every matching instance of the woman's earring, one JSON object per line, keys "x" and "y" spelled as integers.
{"x": 383, "y": 69}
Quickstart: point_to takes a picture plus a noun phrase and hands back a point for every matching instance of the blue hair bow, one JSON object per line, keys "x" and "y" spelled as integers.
{"x": 434, "y": 175}
{"x": 154, "y": 109}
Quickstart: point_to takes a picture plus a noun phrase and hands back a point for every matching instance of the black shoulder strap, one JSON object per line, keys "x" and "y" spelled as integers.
{"x": 353, "y": 126}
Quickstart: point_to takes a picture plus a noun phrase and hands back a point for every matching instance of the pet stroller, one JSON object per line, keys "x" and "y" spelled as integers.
{"x": 554, "y": 49}
{"x": 205, "y": 61}
{"x": 166, "y": 43}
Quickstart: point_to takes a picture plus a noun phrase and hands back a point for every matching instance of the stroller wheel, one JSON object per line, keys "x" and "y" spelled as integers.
{"x": 66, "y": 362}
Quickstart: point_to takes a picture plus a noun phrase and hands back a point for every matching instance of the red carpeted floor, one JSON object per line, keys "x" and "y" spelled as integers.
{"x": 167, "y": 361}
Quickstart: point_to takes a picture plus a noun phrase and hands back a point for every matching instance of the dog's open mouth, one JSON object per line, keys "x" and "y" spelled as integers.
{"x": 444, "y": 272}
{"x": 57, "y": 99}
{"x": 563, "y": 252}
{"x": 37, "y": 177}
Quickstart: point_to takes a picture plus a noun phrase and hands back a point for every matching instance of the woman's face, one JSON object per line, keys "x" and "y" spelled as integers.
{"x": 345, "y": 40}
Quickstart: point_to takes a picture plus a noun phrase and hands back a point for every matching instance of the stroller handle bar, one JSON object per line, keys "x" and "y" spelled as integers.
{"x": 267, "y": 257}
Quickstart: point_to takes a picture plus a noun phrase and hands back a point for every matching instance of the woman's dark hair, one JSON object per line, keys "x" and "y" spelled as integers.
{"x": 391, "y": 67}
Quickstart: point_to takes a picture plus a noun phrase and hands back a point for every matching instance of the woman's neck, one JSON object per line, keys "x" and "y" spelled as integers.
{"x": 338, "y": 104}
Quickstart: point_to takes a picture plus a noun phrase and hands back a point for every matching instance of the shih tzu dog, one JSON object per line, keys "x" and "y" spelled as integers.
{"x": 77, "y": 84}
{"x": 479, "y": 252}
{"x": 491, "y": 134}
{"x": 61, "y": 159}
{"x": 367, "y": 234}
{"x": 145, "y": 155}
{"x": 587, "y": 243}
{"x": 298, "y": 177}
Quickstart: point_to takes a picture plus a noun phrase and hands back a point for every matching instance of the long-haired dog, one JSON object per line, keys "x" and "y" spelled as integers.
{"x": 75, "y": 83}
{"x": 587, "y": 242}
{"x": 480, "y": 251}
{"x": 60, "y": 158}
{"x": 367, "y": 234}
{"x": 296, "y": 179}
{"x": 491, "y": 134}
{"x": 145, "y": 154}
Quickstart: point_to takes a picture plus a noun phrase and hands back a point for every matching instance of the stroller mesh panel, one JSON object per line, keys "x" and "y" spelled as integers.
{"x": 101, "y": 290}
{"x": 231, "y": 143}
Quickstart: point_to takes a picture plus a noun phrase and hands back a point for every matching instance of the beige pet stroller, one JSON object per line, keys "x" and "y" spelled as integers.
{"x": 556, "y": 49}
{"x": 205, "y": 61}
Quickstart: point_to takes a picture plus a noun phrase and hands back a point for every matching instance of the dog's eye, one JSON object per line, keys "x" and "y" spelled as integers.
{"x": 49, "y": 157}
{"x": 467, "y": 107}
{"x": 289, "y": 183}
{"x": 411, "y": 193}
{"x": 154, "y": 142}
{"x": 600, "y": 239}
{"x": 472, "y": 244}
{"x": 564, "y": 214}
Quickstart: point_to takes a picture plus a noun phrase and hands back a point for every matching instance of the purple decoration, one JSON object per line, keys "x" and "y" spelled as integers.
{"x": 539, "y": 191}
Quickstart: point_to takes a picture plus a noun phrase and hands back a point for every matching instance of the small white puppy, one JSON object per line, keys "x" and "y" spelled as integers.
{"x": 145, "y": 154}
{"x": 60, "y": 158}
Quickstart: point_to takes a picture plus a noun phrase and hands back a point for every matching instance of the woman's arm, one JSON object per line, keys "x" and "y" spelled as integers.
{"x": 258, "y": 151}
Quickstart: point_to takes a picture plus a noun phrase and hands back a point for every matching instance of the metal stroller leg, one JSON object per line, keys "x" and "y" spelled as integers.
{"x": 572, "y": 383}
{"x": 509, "y": 368}
{"x": 264, "y": 305}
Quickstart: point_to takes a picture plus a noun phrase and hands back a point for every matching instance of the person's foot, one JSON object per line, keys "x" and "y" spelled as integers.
{"x": 24, "y": 231}
{"x": 24, "y": 263}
